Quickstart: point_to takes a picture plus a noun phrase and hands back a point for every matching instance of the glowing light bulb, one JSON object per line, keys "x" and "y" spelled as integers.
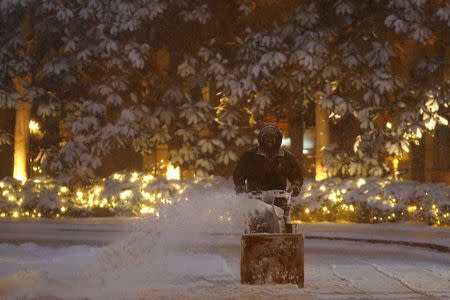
{"x": 126, "y": 194}
{"x": 118, "y": 176}
{"x": 360, "y": 182}
{"x": 97, "y": 190}
{"x": 34, "y": 127}
{"x": 147, "y": 210}
{"x": 147, "y": 178}
{"x": 173, "y": 173}
{"x": 412, "y": 208}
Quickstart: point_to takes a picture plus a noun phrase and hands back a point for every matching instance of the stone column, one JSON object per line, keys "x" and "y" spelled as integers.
{"x": 322, "y": 140}
{"x": 162, "y": 159}
{"x": 21, "y": 140}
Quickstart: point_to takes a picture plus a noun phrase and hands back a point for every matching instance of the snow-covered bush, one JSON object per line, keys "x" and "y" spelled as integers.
{"x": 360, "y": 199}
{"x": 40, "y": 196}
{"x": 8, "y": 200}
{"x": 130, "y": 194}
{"x": 123, "y": 194}
{"x": 373, "y": 200}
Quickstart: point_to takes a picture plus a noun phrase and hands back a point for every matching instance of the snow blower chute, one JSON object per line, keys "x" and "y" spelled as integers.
{"x": 270, "y": 252}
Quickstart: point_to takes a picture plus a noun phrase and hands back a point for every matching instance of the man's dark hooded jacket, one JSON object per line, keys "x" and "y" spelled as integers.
{"x": 256, "y": 171}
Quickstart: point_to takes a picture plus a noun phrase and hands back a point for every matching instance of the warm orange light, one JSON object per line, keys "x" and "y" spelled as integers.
{"x": 412, "y": 208}
{"x": 173, "y": 173}
{"x": 34, "y": 127}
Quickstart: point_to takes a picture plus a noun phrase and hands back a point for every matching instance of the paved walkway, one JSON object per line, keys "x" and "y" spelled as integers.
{"x": 412, "y": 234}
{"x": 101, "y": 231}
{"x": 208, "y": 267}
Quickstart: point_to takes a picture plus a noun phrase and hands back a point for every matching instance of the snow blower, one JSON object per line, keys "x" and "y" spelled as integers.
{"x": 270, "y": 252}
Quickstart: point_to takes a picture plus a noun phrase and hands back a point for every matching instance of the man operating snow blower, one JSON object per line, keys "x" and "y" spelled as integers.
{"x": 270, "y": 252}
{"x": 262, "y": 173}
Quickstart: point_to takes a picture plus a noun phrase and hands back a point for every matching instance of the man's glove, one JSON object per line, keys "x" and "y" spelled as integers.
{"x": 294, "y": 190}
{"x": 240, "y": 189}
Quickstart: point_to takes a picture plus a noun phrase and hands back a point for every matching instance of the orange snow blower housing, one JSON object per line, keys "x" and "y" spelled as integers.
{"x": 270, "y": 252}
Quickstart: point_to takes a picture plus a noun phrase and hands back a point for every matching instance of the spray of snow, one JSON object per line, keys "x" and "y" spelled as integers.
{"x": 162, "y": 251}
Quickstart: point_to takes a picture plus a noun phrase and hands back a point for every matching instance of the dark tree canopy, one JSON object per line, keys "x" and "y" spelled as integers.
{"x": 117, "y": 73}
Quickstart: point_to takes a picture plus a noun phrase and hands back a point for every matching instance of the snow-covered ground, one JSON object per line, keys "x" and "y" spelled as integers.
{"x": 64, "y": 260}
{"x": 333, "y": 270}
{"x": 193, "y": 251}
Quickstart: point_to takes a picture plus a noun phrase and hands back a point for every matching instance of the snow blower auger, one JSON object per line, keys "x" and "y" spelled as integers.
{"x": 270, "y": 252}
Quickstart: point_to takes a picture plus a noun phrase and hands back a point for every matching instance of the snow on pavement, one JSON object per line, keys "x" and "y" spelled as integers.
{"x": 404, "y": 232}
{"x": 103, "y": 231}
{"x": 332, "y": 270}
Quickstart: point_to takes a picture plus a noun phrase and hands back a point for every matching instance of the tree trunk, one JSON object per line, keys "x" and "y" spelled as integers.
{"x": 21, "y": 140}
{"x": 417, "y": 162}
{"x": 6, "y": 152}
{"x": 295, "y": 129}
{"x": 322, "y": 140}
{"x": 430, "y": 151}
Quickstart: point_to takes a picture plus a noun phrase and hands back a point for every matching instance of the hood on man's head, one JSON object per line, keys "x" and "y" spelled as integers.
{"x": 270, "y": 129}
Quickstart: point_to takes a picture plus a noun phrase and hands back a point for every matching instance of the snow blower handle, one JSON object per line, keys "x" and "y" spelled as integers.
{"x": 279, "y": 200}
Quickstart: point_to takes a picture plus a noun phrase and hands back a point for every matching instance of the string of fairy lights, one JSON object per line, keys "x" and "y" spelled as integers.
{"x": 327, "y": 201}
{"x": 133, "y": 194}
{"x": 139, "y": 194}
